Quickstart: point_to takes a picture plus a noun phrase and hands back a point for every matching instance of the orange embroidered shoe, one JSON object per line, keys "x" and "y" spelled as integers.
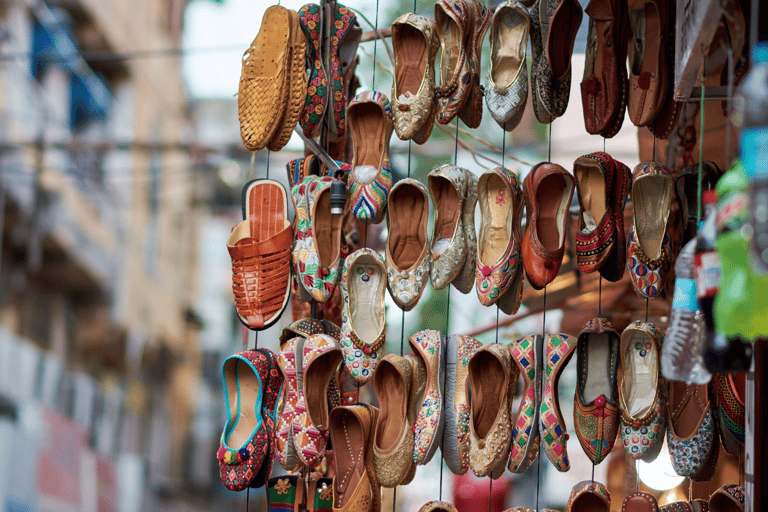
{"x": 260, "y": 248}
{"x": 595, "y": 409}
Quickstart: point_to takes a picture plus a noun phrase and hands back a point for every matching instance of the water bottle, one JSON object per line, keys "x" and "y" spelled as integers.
{"x": 751, "y": 117}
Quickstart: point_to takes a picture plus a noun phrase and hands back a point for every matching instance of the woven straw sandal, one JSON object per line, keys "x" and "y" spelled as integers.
{"x": 260, "y": 248}
{"x": 296, "y": 91}
{"x": 264, "y": 79}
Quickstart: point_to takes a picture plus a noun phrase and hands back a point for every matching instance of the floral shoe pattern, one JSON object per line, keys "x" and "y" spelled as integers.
{"x": 651, "y": 196}
{"x": 472, "y": 113}
{"x": 447, "y": 263}
{"x": 642, "y": 434}
{"x": 526, "y": 353}
{"x": 537, "y": 55}
{"x": 239, "y": 466}
{"x": 366, "y": 269}
{"x": 316, "y": 281}
{"x": 494, "y": 279}
{"x": 286, "y": 361}
{"x": 417, "y": 115}
{"x": 317, "y": 90}
{"x": 344, "y": 31}
{"x": 558, "y": 350}
{"x": 369, "y": 197}
{"x": 311, "y": 438}
{"x": 689, "y": 456}
{"x": 428, "y": 429}
{"x": 589, "y": 491}
{"x": 283, "y": 492}
{"x": 455, "y": 84}
{"x": 727, "y": 498}
{"x": 272, "y": 392}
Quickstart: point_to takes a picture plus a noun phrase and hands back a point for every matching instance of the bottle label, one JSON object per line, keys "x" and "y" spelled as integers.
{"x": 707, "y": 270}
{"x": 685, "y": 295}
{"x": 754, "y": 152}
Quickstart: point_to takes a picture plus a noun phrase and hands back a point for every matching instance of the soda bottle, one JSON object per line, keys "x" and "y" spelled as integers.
{"x": 681, "y": 351}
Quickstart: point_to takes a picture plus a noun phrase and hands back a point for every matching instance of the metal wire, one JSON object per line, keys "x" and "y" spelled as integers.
{"x": 375, "y": 40}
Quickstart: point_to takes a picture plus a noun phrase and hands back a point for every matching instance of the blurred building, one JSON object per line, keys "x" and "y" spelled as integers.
{"x": 98, "y": 268}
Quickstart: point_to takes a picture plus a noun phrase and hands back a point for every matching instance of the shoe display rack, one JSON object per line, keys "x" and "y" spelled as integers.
{"x": 652, "y": 231}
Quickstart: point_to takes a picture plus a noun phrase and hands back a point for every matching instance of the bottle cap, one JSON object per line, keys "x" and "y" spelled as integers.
{"x": 709, "y": 197}
{"x": 760, "y": 53}
{"x": 338, "y": 197}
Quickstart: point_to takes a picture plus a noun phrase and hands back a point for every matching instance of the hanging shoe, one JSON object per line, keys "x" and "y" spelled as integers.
{"x": 640, "y": 502}
{"x": 370, "y": 124}
{"x": 363, "y": 328}
{"x": 317, "y": 81}
{"x": 289, "y": 361}
{"x": 407, "y": 256}
{"x": 345, "y": 37}
{"x": 245, "y": 440}
{"x": 448, "y": 187}
{"x": 507, "y": 91}
{"x": 588, "y": 496}
{"x": 691, "y": 436}
{"x": 355, "y": 488}
{"x": 454, "y": 30}
{"x": 415, "y": 44}
{"x": 437, "y": 506}
{"x": 649, "y": 248}
{"x": 465, "y": 279}
{"x": 687, "y": 189}
{"x": 472, "y": 113}
{"x": 731, "y": 410}
{"x": 543, "y": 115}
{"x": 643, "y": 414}
{"x": 547, "y": 191}
{"x": 260, "y": 251}
{"x": 272, "y": 390}
{"x": 499, "y": 266}
{"x": 558, "y": 350}
{"x": 492, "y": 383}
{"x": 285, "y": 493}
{"x": 393, "y": 439}
{"x": 595, "y": 409}
{"x": 648, "y": 71}
{"x": 605, "y": 87}
{"x": 296, "y": 92}
{"x": 728, "y": 498}
{"x": 602, "y": 184}
{"x": 527, "y": 354}
{"x": 317, "y": 240}
{"x": 428, "y": 346}
{"x": 455, "y": 447}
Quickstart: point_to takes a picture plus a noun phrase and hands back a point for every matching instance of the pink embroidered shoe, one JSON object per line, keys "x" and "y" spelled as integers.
{"x": 320, "y": 365}
{"x": 428, "y": 429}
{"x": 246, "y": 437}
{"x": 499, "y": 273}
{"x": 289, "y": 361}
{"x": 558, "y": 350}
{"x": 526, "y": 353}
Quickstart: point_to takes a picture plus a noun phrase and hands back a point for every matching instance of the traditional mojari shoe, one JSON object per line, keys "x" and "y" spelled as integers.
{"x": 246, "y": 437}
{"x": 640, "y": 502}
{"x": 595, "y": 410}
{"x": 437, "y": 506}
{"x": 455, "y": 447}
{"x": 355, "y": 488}
{"x": 454, "y": 30}
{"x": 316, "y": 101}
{"x": 643, "y": 415}
{"x": 730, "y": 400}
{"x": 415, "y": 44}
{"x": 492, "y": 383}
{"x": 428, "y": 346}
{"x": 393, "y": 440}
{"x": 547, "y": 190}
{"x": 472, "y": 113}
{"x": 260, "y": 249}
{"x": 507, "y": 91}
{"x": 363, "y": 328}
{"x": 407, "y": 244}
{"x": 728, "y": 498}
{"x": 649, "y": 247}
{"x": 289, "y": 361}
{"x": 499, "y": 267}
{"x": 370, "y": 122}
{"x": 588, "y": 496}
{"x": 317, "y": 240}
{"x": 526, "y": 353}
{"x": 448, "y": 186}
{"x": 691, "y": 432}
{"x": 558, "y": 350}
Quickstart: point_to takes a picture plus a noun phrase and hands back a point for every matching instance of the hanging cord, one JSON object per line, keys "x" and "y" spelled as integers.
{"x": 549, "y": 153}
{"x": 445, "y": 376}
{"x": 253, "y": 162}
{"x": 503, "y": 147}
{"x": 456, "y": 147}
{"x": 544, "y": 336}
{"x": 646, "y": 309}
{"x": 637, "y": 476}
{"x": 245, "y": 338}
{"x": 490, "y": 493}
{"x": 701, "y": 148}
{"x": 485, "y": 143}
{"x": 375, "y": 40}
{"x": 247, "y": 499}
{"x": 654, "y": 140}
{"x": 600, "y": 297}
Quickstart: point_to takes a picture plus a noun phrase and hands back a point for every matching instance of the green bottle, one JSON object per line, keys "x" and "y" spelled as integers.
{"x": 741, "y": 308}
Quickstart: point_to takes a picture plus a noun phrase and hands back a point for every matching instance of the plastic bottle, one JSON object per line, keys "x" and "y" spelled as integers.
{"x": 681, "y": 351}
{"x": 751, "y": 116}
{"x": 738, "y": 311}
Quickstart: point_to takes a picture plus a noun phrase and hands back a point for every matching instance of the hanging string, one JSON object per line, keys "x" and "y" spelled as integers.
{"x": 490, "y": 493}
{"x": 593, "y": 472}
{"x": 269, "y": 155}
{"x": 247, "y": 499}
{"x": 375, "y": 40}
{"x": 253, "y": 162}
{"x": 245, "y": 338}
{"x": 654, "y": 140}
{"x": 414, "y": 5}
{"x": 603, "y": 144}
{"x": 549, "y": 153}
{"x": 701, "y": 149}
{"x": 456, "y": 147}
{"x": 503, "y": 146}
{"x": 637, "y": 476}
{"x": 600, "y": 297}
{"x": 646, "y": 309}
{"x": 543, "y": 335}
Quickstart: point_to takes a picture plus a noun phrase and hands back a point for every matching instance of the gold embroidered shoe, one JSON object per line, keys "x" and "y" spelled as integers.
{"x": 393, "y": 440}
{"x": 415, "y": 44}
{"x": 465, "y": 280}
{"x": 407, "y": 245}
{"x": 526, "y": 353}
{"x": 363, "y": 327}
{"x": 472, "y": 113}
{"x": 454, "y": 30}
{"x": 558, "y": 350}
{"x": 428, "y": 430}
{"x": 455, "y": 448}
{"x": 492, "y": 382}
